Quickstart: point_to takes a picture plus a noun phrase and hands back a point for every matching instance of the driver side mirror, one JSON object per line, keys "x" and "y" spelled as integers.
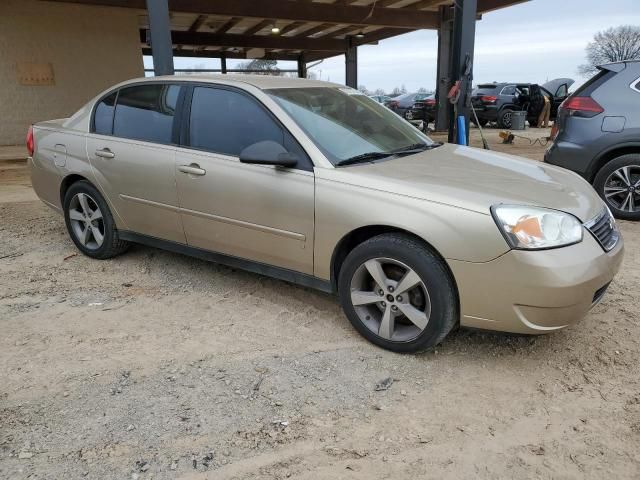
{"x": 268, "y": 152}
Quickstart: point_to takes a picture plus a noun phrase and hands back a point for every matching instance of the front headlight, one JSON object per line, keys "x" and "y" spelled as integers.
{"x": 534, "y": 228}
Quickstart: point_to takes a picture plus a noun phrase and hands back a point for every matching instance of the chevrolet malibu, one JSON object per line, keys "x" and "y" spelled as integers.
{"x": 317, "y": 184}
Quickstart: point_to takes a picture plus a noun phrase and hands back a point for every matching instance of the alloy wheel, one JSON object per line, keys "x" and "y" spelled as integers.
{"x": 390, "y": 299}
{"x": 506, "y": 119}
{"x": 87, "y": 223}
{"x": 622, "y": 189}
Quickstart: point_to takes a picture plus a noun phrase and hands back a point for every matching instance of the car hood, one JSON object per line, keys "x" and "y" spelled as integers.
{"x": 552, "y": 85}
{"x": 476, "y": 179}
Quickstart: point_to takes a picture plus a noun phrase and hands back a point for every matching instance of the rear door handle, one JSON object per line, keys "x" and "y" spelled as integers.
{"x": 105, "y": 153}
{"x": 193, "y": 169}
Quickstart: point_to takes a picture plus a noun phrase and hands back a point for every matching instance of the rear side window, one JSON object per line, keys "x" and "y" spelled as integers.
{"x": 225, "y": 121}
{"x": 146, "y": 112}
{"x": 103, "y": 116}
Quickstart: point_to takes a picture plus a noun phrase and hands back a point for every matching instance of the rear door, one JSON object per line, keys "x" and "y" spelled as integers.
{"x": 558, "y": 89}
{"x": 131, "y": 150}
{"x": 256, "y": 212}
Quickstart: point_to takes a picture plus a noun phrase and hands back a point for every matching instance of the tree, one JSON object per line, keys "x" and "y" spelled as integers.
{"x": 612, "y": 45}
{"x": 363, "y": 89}
{"x": 263, "y": 67}
{"x": 379, "y": 91}
{"x": 423, "y": 90}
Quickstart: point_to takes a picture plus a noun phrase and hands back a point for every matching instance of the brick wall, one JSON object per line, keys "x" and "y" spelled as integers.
{"x": 89, "y": 48}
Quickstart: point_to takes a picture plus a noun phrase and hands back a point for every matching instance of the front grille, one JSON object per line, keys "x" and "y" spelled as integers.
{"x": 605, "y": 230}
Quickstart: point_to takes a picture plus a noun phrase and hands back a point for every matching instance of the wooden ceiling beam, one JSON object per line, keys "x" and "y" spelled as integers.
{"x": 237, "y": 55}
{"x": 292, "y": 10}
{"x": 228, "y": 25}
{"x": 254, "y": 41}
{"x": 198, "y": 23}
{"x": 258, "y": 26}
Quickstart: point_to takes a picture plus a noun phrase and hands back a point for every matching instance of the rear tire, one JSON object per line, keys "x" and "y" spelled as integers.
{"x": 505, "y": 118}
{"x": 482, "y": 121}
{"x": 618, "y": 183}
{"x": 417, "y": 306}
{"x": 90, "y": 223}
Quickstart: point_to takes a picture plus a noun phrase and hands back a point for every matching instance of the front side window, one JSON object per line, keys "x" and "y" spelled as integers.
{"x": 103, "y": 115}
{"x": 146, "y": 112}
{"x": 344, "y": 124}
{"x": 225, "y": 121}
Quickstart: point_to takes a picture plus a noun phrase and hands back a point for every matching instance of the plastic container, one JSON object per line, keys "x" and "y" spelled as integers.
{"x": 517, "y": 120}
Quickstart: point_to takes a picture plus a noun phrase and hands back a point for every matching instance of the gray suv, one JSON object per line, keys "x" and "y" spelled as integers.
{"x": 597, "y": 135}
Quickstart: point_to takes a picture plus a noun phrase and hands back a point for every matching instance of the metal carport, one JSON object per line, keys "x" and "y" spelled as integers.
{"x": 307, "y": 31}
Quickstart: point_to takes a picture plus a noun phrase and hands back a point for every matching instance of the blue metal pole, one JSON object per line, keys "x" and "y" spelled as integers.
{"x": 462, "y": 130}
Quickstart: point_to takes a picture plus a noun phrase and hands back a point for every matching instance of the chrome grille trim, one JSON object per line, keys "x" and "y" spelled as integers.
{"x": 604, "y": 230}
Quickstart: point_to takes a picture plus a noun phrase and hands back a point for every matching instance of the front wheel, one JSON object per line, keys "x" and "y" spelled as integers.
{"x": 618, "y": 183}
{"x": 398, "y": 294}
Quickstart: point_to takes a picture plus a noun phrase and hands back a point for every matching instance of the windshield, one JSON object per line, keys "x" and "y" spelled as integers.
{"x": 344, "y": 123}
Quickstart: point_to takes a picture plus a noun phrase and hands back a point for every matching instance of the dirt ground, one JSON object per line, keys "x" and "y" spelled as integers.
{"x": 155, "y": 365}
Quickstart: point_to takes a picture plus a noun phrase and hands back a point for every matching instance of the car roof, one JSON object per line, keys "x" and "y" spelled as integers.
{"x": 617, "y": 66}
{"x": 263, "y": 82}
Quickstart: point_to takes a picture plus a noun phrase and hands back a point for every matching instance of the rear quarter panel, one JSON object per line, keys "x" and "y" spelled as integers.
{"x": 59, "y": 152}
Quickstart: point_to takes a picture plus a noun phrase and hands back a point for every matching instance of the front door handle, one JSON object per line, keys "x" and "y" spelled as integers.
{"x": 193, "y": 169}
{"x": 105, "y": 153}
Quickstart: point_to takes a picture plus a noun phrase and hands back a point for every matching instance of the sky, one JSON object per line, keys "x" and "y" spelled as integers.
{"x": 531, "y": 42}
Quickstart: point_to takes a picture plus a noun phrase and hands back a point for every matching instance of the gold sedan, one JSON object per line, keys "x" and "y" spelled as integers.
{"x": 316, "y": 184}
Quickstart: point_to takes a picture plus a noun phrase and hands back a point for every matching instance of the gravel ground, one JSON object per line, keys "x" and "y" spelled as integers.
{"x": 155, "y": 365}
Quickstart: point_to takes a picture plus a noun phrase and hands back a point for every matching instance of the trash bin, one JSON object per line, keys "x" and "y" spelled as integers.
{"x": 517, "y": 120}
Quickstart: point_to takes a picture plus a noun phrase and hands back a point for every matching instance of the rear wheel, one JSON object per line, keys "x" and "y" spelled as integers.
{"x": 505, "y": 118}
{"x": 90, "y": 223}
{"x": 618, "y": 183}
{"x": 481, "y": 121}
{"x": 398, "y": 294}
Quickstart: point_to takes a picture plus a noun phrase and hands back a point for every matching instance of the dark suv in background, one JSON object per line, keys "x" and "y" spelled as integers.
{"x": 597, "y": 135}
{"x": 496, "y": 102}
{"x": 402, "y": 103}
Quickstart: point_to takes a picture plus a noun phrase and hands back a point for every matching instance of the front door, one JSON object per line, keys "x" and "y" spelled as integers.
{"x": 256, "y": 212}
{"x": 133, "y": 160}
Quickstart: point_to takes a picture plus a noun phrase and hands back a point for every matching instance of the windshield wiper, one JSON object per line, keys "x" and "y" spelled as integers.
{"x": 370, "y": 156}
{"x": 417, "y": 147}
{"x": 364, "y": 157}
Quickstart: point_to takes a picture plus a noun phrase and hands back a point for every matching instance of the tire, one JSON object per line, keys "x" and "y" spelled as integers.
{"x": 90, "y": 223}
{"x": 432, "y": 298}
{"x": 533, "y": 122}
{"x": 482, "y": 121}
{"x": 504, "y": 118}
{"x": 618, "y": 183}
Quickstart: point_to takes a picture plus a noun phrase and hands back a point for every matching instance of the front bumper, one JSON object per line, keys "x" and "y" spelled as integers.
{"x": 535, "y": 292}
